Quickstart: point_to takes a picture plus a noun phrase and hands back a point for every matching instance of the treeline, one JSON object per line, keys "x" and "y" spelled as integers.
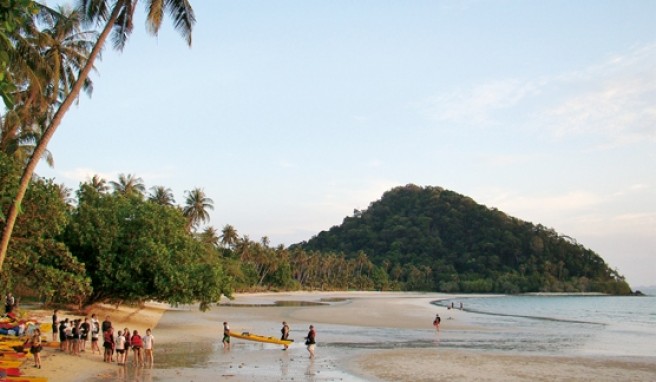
{"x": 119, "y": 242}
{"x": 429, "y": 238}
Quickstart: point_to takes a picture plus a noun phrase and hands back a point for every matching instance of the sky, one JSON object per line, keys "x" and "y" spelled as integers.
{"x": 291, "y": 114}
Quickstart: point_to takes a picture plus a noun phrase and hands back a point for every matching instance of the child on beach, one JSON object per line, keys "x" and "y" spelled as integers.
{"x": 436, "y": 322}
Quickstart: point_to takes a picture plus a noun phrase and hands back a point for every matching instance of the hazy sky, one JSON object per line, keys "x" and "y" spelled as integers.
{"x": 291, "y": 114}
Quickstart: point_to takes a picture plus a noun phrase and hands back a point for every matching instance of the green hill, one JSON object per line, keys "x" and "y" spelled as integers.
{"x": 429, "y": 238}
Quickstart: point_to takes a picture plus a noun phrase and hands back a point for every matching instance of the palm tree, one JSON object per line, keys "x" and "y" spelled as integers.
{"x": 129, "y": 185}
{"x": 47, "y": 62}
{"x": 99, "y": 184}
{"x": 196, "y": 207}
{"x": 162, "y": 196}
{"x": 229, "y": 236}
{"x": 113, "y": 16}
{"x": 210, "y": 236}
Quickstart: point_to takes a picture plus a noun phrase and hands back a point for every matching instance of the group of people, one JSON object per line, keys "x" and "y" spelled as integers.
{"x": 74, "y": 334}
{"x": 310, "y": 340}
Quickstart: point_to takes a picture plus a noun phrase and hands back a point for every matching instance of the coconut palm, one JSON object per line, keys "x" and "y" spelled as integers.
{"x": 209, "y": 236}
{"x": 196, "y": 207}
{"x": 47, "y": 61}
{"x": 129, "y": 185}
{"x": 229, "y": 236}
{"x": 99, "y": 184}
{"x": 161, "y": 195}
{"x": 113, "y": 16}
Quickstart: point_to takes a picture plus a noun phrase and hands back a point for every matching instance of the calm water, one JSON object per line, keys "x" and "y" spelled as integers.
{"x": 576, "y": 325}
{"x": 587, "y": 325}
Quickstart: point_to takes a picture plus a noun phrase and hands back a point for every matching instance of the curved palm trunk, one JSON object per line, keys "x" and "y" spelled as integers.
{"x": 49, "y": 132}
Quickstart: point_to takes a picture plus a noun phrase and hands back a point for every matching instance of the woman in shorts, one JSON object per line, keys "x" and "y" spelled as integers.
{"x": 36, "y": 347}
{"x": 137, "y": 345}
{"x": 120, "y": 349}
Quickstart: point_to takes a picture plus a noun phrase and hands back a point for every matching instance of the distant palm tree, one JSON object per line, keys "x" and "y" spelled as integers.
{"x": 229, "y": 236}
{"x": 65, "y": 195}
{"x": 210, "y": 236}
{"x": 99, "y": 184}
{"x": 129, "y": 185}
{"x": 196, "y": 207}
{"x": 161, "y": 195}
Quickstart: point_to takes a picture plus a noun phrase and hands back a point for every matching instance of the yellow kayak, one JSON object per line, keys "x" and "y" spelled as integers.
{"x": 9, "y": 364}
{"x": 25, "y": 379}
{"x": 257, "y": 338}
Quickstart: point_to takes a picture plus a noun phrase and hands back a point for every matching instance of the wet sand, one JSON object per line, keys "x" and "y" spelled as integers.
{"x": 353, "y": 330}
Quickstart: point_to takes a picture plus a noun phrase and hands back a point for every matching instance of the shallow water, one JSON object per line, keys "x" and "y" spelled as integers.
{"x": 583, "y": 325}
{"x": 608, "y": 326}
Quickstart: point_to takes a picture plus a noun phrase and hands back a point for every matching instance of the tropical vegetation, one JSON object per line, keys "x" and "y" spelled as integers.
{"x": 114, "y": 241}
{"x": 430, "y": 238}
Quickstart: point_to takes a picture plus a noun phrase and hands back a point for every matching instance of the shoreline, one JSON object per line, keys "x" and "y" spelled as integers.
{"x": 188, "y": 344}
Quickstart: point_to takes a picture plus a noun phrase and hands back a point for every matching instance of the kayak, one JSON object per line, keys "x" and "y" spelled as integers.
{"x": 10, "y": 364}
{"x": 25, "y": 379}
{"x": 10, "y": 371}
{"x": 257, "y": 338}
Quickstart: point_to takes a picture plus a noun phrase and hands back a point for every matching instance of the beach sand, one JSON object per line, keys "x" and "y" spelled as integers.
{"x": 188, "y": 345}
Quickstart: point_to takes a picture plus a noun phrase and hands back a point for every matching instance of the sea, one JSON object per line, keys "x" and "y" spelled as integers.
{"x": 557, "y": 324}
{"x": 576, "y": 325}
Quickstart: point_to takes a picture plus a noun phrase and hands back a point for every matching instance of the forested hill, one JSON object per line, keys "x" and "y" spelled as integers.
{"x": 452, "y": 244}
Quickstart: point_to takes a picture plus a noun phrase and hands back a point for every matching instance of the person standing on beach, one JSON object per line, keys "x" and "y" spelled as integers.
{"x": 436, "y": 322}
{"x": 62, "y": 334}
{"x": 108, "y": 345}
{"x": 120, "y": 348}
{"x": 36, "y": 347}
{"x": 55, "y": 322}
{"x": 95, "y": 333}
{"x": 106, "y": 324}
{"x": 137, "y": 345}
{"x": 148, "y": 343}
{"x": 128, "y": 340}
{"x": 226, "y": 336}
{"x": 285, "y": 334}
{"x": 10, "y": 302}
{"x": 85, "y": 328}
{"x": 310, "y": 341}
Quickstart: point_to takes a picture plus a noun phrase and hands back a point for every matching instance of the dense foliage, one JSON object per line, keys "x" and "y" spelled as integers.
{"x": 137, "y": 250}
{"x": 434, "y": 239}
{"x": 40, "y": 263}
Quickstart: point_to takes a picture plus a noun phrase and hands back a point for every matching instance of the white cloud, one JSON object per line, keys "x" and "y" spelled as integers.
{"x": 477, "y": 105}
{"x": 614, "y": 101}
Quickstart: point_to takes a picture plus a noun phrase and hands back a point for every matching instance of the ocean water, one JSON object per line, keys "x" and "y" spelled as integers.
{"x": 559, "y": 324}
{"x": 538, "y": 325}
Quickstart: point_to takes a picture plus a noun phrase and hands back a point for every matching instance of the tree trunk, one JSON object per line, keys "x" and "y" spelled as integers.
{"x": 47, "y": 135}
